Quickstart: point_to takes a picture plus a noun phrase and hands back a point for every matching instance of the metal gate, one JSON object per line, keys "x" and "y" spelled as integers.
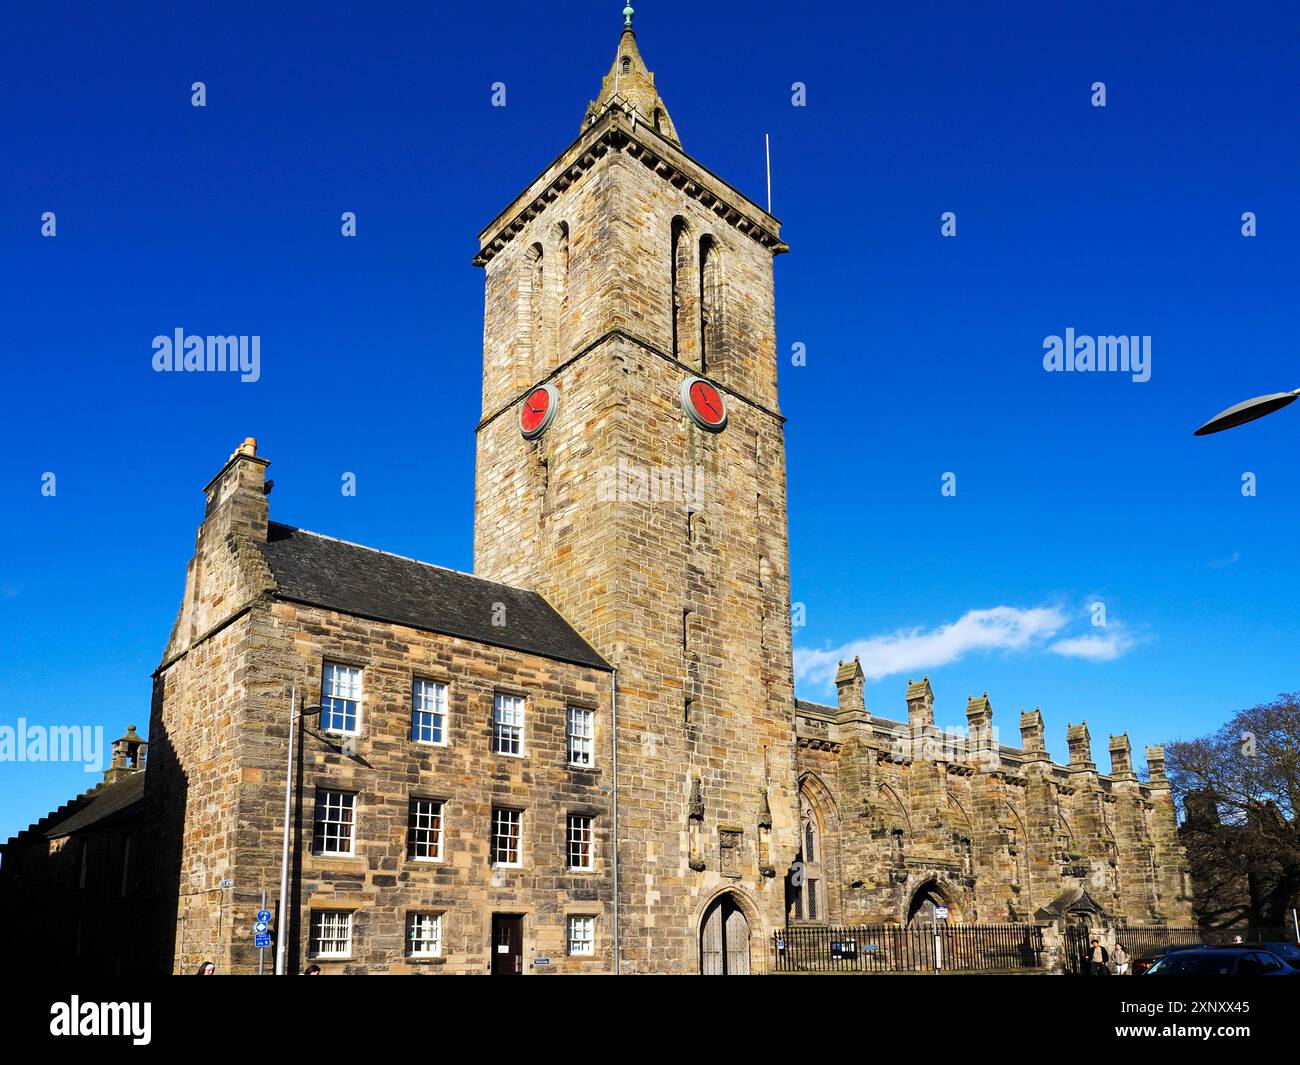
{"x": 1078, "y": 938}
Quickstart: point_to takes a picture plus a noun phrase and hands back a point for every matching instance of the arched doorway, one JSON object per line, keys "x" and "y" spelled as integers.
{"x": 929, "y": 934}
{"x": 724, "y": 939}
{"x": 925, "y": 900}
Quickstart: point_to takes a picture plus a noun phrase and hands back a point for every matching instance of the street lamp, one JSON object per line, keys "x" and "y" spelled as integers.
{"x": 281, "y": 925}
{"x": 1247, "y": 412}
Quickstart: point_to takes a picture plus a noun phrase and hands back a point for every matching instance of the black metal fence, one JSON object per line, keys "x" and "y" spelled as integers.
{"x": 1140, "y": 940}
{"x": 891, "y": 949}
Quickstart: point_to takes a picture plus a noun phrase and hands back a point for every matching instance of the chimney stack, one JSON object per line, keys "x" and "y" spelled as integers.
{"x": 236, "y": 496}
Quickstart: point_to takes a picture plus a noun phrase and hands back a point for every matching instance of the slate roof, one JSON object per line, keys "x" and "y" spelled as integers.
{"x": 320, "y": 571}
{"x": 105, "y": 801}
{"x": 89, "y": 808}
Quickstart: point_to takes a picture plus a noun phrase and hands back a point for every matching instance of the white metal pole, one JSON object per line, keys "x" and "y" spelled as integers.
{"x": 282, "y": 920}
{"x": 1295, "y": 921}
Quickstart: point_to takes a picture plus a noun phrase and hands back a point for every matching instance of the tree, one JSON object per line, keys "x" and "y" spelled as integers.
{"x": 1239, "y": 789}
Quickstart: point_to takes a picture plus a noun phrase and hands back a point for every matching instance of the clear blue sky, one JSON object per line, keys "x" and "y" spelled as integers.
{"x": 924, "y": 353}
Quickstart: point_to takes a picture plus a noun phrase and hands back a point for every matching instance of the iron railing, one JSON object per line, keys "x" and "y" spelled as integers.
{"x": 893, "y": 949}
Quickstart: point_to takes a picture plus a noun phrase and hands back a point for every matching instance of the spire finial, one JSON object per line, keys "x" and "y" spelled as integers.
{"x": 627, "y": 15}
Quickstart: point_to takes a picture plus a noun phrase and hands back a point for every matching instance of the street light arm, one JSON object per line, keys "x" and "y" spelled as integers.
{"x": 1247, "y": 411}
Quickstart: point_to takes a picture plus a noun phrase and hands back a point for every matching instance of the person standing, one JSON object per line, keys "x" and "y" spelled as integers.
{"x": 1099, "y": 957}
{"x": 1121, "y": 960}
{"x": 207, "y": 969}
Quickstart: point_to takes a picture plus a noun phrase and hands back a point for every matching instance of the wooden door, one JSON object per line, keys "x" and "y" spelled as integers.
{"x": 507, "y": 944}
{"x": 736, "y": 935}
{"x": 712, "y": 961}
{"x": 724, "y": 940}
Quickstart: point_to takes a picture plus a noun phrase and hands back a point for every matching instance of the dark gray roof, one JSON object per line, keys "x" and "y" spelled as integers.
{"x": 104, "y": 802}
{"x": 320, "y": 571}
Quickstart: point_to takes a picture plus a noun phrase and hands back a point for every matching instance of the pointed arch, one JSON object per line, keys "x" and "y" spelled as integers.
{"x": 684, "y": 292}
{"x": 887, "y": 798}
{"x": 532, "y": 303}
{"x": 717, "y": 927}
{"x": 711, "y": 311}
{"x": 955, "y": 803}
{"x": 559, "y": 330}
{"x": 930, "y": 893}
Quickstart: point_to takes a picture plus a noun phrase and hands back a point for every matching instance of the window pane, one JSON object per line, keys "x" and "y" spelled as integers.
{"x": 508, "y": 724}
{"x": 340, "y": 697}
{"x": 581, "y": 733}
{"x": 428, "y": 712}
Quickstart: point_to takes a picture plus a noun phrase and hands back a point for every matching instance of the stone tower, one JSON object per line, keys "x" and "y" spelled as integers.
{"x": 622, "y": 273}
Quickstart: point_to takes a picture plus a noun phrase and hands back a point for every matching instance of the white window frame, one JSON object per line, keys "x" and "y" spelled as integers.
{"x": 325, "y": 806}
{"x": 318, "y": 919}
{"x": 586, "y": 944}
{"x": 352, "y": 694}
{"x": 421, "y": 689}
{"x": 580, "y": 733}
{"x": 518, "y": 823}
{"x": 421, "y": 921}
{"x": 508, "y": 722}
{"x": 438, "y": 816}
{"x": 584, "y": 824}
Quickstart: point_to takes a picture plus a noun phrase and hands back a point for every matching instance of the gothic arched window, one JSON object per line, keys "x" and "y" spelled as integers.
{"x": 536, "y": 312}
{"x": 710, "y": 303}
{"x": 559, "y": 348}
{"x": 681, "y": 308}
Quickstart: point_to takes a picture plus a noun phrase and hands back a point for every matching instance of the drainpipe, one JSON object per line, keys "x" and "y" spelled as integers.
{"x": 613, "y": 747}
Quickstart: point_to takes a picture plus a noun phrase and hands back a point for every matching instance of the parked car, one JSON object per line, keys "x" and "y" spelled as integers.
{"x": 1222, "y": 961}
{"x": 1143, "y": 965}
{"x": 1288, "y": 952}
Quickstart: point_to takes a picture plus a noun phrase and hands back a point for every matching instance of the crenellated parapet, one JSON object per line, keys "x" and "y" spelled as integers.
{"x": 1007, "y": 829}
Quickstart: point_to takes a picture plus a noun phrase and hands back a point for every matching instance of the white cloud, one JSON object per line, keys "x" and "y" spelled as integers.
{"x": 1097, "y": 647}
{"x": 1002, "y": 628}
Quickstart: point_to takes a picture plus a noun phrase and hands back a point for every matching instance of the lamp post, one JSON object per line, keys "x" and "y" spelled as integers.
{"x": 1247, "y": 411}
{"x": 282, "y": 924}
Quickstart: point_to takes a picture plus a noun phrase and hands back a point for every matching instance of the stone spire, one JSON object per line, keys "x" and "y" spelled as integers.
{"x": 630, "y": 87}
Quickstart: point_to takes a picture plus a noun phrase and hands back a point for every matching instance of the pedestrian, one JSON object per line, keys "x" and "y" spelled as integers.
{"x": 1121, "y": 960}
{"x": 207, "y": 969}
{"x": 312, "y": 970}
{"x": 1099, "y": 956}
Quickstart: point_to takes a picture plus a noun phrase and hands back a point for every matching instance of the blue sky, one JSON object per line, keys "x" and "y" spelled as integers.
{"x": 924, "y": 353}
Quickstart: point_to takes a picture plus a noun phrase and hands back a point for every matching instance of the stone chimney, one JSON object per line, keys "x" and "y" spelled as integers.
{"x": 920, "y": 703}
{"x": 1121, "y": 757}
{"x": 1031, "y": 732}
{"x": 236, "y": 496}
{"x": 1080, "y": 744}
{"x": 849, "y": 684}
{"x": 226, "y": 571}
{"x": 128, "y": 756}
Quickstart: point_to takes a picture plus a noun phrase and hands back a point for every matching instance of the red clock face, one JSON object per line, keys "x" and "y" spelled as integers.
{"x": 537, "y": 411}
{"x": 707, "y": 403}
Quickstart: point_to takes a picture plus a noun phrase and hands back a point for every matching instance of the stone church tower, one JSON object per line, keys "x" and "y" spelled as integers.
{"x": 631, "y": 468}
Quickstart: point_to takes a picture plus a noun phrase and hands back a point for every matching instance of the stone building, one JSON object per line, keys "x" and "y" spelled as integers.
{"x": 588, "y": 755}
{"x": 900, "y": 816}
